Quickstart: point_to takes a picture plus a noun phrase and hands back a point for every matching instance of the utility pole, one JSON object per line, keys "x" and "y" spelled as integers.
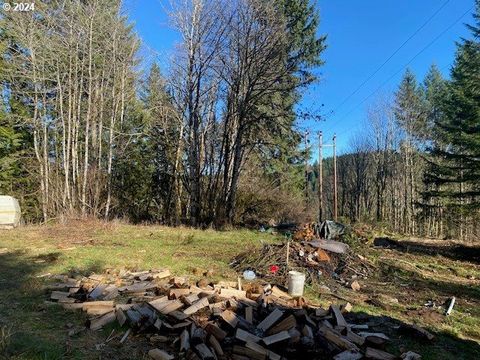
{"x": 335, "y": 199}
{"x": 320, "y": 177}
{"x": 306, "y": 166}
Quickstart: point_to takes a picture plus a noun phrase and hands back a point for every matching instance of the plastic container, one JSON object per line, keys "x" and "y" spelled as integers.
{"x": 296, "y": 283}
{"x": 249, "y": 275}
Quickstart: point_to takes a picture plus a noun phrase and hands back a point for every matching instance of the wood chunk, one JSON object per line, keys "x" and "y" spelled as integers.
{"x": 249, "y": 314}
{"x": 321, "y": 312}
{"x": 416, "y": 331}
{"x": 216, "y": 345}
{"x": 178, "y": 315}
{"x": 356, "y": 339}
{"x": 124, "y": 307}
{"x": 271, "y": 319}
{"x": 103, "y": 320}
{"x": 161, "y": 274}
{"x": 111, "y": 292}
{"x": 307, "y": 331}
{"x": 272, "y": 339}
{"x": 286, "y": 324}
{"x": 158, "y": 354}
{"x": 372, "y": 334}
{"x": 355, "y": 285}
{"x": 200, "y": 304}
{"x": 338, "y": 316}
{"x": 184, "y": 340}
{"x": 133, "y": 316}
{"x": 57, "y": 295}
{"x": 121, "y": 317}
{"x": 246, "y": 336}
{"x": 137, "y": 287}
{"x": 410, "y": 355}
{"x": 257, "y": 348}
{"x": 280, "y": 293}
{"x": 125, "y": 336}
{"x": 190, "y": 299}
{"x": 181, "y": 324}
{"x": 248, "y": 353}
{"x": 97, "y": 291}
{"x": 337, "y": 339}
{"x": 159, "y": 339}
{"x": 204, "y": 352}
{"x": 229, "y": 293}
{"x": 177, "y": 293}
{"x": 168, "y": 307}
{"x": 214, "y": 330}
{"x": 295, "y": 335}
{"x": 348, "y": 355}
{"x": 375, "y": 354}
{"x": 100, "y": 310}
{"x": 230, "y": 318}
{"x": 92, "y": 304}
{"x": 178, "y": 281}
{"x": 346, "y": 307}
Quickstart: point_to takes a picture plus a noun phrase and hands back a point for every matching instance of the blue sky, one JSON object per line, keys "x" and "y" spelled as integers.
{"x": 362, "y": 34}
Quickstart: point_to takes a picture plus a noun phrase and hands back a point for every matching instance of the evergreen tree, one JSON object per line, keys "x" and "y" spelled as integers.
{"x": 410, "y": 108}
{"x": 455, "y": 164}
{"x": 435, "y": 92}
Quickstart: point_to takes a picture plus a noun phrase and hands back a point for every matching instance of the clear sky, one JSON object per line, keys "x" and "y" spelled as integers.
{"x": 362, "y": 34}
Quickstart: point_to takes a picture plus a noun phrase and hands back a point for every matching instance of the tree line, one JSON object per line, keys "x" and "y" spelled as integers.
{"x": 85, "y": 132}
{"x": 416, "y": 167}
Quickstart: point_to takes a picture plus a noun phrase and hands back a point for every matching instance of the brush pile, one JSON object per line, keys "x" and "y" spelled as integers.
{"x": 226, "y": 320}
{"x": 323, "y": 261}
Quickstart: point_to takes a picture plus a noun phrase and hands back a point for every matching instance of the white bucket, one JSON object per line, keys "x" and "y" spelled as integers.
{"x": 296, "y": 283}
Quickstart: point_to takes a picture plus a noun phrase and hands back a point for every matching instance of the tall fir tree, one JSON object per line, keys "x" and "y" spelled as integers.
{"x": 455, "y": 161}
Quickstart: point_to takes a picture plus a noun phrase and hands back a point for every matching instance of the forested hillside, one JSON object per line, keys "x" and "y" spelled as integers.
{"x": 214, "y": 138}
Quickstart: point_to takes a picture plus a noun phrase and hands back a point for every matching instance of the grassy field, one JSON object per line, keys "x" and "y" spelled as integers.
{"x": 405, "y": 281}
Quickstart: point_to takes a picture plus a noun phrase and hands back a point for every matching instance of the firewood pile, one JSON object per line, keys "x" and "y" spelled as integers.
{"x": 226, "y": 320}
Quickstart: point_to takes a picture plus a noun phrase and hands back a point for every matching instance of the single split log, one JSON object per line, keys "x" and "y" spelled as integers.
{"x": 271, "y": 319}
{"x": 158, "y": 354}
{"x": 103, "y": 320}
{"x": 272, "y": 339}
{"x": 375, "y": 354}
{"x": 245, "y": 336}
{"x": 200, "y": 304}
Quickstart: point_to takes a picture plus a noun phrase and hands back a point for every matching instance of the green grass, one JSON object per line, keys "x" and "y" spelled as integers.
{"x": 30, "y": 328}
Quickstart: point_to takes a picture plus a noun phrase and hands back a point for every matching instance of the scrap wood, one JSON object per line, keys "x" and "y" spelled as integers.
{"x": 272, "y": 318}
{"x": 245, "y": 336}
{"x": 272, "y": 339}
{"x": 158, "y": 354}
{"x": 417, "y": 331}
{"x": 375, "y": 354}
{"x": 204, "y": 352}
{"x": 103, "y": 320}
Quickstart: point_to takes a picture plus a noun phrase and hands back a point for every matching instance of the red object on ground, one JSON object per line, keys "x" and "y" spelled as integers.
{"x": 274, "y": 269}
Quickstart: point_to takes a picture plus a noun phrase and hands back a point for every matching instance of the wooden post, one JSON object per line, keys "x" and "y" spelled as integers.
{"x": 335, "y": 199}
{"x": 320, "y": 177}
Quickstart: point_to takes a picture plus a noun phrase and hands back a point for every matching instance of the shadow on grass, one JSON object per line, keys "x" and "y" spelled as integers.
{"x": 34, "y": 329}
{"x": 444, "y": 346}
{"x": 453, "y": 251}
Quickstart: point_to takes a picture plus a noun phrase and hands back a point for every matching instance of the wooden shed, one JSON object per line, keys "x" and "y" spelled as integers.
{"x": 9, "y": 212}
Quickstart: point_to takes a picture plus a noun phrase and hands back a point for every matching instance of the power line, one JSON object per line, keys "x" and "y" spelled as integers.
{"x": 391, "y": 56}
{"x": 408, "y": 63}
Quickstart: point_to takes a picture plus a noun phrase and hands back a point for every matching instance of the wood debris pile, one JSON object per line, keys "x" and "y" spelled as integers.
{"x": 226, "y": 320}
{"x": 321, "y": 266}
